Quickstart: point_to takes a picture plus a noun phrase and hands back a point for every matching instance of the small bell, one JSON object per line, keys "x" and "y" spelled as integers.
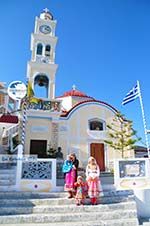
{"x": 41, "y": 81}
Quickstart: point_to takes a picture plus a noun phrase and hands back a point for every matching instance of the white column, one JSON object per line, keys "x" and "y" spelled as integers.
{"x": 19, "y": 166}
{"x": 54, "y": 169}
{"x": 52, "y": 90}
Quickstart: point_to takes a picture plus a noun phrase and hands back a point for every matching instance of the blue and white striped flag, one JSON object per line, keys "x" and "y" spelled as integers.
{"x": 132, "y": 95}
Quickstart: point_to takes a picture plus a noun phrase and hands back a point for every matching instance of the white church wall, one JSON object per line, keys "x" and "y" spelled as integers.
{"x": 37, "y": 129}
{"x": 78, "y": 134}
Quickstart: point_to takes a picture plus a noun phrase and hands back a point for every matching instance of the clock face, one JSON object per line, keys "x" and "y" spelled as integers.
{"x": 45, "y": 29}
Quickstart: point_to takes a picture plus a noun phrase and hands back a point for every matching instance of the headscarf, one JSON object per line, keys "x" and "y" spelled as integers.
{"x": 92, "y": 163}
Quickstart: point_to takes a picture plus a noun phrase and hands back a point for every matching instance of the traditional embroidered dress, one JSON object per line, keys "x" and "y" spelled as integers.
{"x": 70, "y": 175}
{"x": 70, "y": 178}
{"x": 80, "y": 191}
{"x": 93, "y": 182}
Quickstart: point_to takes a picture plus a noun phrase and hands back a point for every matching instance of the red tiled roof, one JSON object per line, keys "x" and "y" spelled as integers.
{"x": 65, "y": 114}
{"x": 76, "y": 93}
{"x": 6, "y": 118}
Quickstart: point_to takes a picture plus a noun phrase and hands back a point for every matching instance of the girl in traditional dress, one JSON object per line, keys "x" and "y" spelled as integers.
{"x": 75, "y": 163}
{"x": 70, "y": 175}
{"x": 80, "y": 186}
{"x": 93, "y": 181}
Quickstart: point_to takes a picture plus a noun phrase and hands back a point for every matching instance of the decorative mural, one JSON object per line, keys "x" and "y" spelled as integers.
{"x": 132, "y": 168}
{"x": 40, "y": 104}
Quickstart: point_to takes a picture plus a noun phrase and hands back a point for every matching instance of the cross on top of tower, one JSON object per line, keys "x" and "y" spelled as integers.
{"x": 46, "y": 10}
{"x": 46, "y": 14}
{"x": 74, "y": 87}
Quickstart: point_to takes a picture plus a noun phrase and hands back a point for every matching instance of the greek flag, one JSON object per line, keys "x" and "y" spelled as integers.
{"x": 132, "y": 95}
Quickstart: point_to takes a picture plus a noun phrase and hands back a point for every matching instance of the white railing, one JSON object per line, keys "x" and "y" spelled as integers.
{"x": 7, "y": 135}
{"x": 11, "y": 131}
{"x": 9, "y": 163}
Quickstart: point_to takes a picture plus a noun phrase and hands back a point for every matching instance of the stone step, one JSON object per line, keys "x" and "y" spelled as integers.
{"x": 40, "y": 195}
{"x": 127, "y": 222}
{"x": 7, "y": 182}
{"x": 8, "y": 171}
{"x": 7, "y": 176}
{"x": 106, "y": 174}
{"x": 65, "y": 208}
{"x": 57, "y": 201}
{"x": 68, "y": 217}
{"x": 8, "y": 188}
{"x": 9, "y": 166}
{"x": 30, "y": 195}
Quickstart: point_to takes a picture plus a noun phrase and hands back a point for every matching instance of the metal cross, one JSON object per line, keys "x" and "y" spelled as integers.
{"x": 46, "y": 10}
{"x": 74, "y": 87}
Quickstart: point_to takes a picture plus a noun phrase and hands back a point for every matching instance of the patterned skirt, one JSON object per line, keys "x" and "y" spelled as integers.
{"x": 80, "y": 193}
{"x": 94, "y": 187}
{"x": 70, "y": 179}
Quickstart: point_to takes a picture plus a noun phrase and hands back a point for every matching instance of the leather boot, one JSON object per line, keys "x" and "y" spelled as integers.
{"x": 70, "y": 195}
{"x": 92, "y": 201}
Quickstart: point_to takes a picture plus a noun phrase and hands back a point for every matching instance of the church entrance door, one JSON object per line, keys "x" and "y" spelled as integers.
{"x": 97, "y": 151}
{"x": 38, "y": 147}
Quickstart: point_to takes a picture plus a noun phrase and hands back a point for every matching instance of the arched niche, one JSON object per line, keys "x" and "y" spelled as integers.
{"x": 96, "y": 124}
{"x": 41, "y": 86}
{"x": 47, "y": 50}
{"x": 39, "y": 49}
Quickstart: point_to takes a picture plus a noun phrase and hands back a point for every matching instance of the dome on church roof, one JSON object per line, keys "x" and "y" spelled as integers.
{"x": 46, "y": 15}
{"x": 74, "y": 92}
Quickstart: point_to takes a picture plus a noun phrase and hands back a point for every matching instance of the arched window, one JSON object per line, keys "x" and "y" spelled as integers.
{"x": 39, "y": 49}
{"x": 96, "y": 124}
{"x": 47, "y": 50}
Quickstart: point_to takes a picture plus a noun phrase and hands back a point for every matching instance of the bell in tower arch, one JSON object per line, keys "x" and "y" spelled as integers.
{"x": 41, "y": 80}
{"x": 41, "y": 86}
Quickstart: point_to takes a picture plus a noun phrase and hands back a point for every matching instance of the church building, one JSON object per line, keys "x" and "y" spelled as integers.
{"x": 74, "y": 121}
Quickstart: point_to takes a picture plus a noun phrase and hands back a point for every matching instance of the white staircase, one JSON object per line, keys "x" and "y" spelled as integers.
{"x": 7, "y": 176}
{"x": 8, "y": 167}
{"x": 54, "y": 209}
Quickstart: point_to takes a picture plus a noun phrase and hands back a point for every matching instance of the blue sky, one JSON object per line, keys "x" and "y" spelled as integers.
{"x": 103, "y": 47}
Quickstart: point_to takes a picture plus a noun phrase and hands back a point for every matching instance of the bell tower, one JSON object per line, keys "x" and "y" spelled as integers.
{"x": 41, "y": 69}
{"x": 42, "y": 124}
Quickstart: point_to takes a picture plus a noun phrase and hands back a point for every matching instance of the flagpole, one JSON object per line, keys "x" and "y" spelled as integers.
{"x": 144, "y": 119}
